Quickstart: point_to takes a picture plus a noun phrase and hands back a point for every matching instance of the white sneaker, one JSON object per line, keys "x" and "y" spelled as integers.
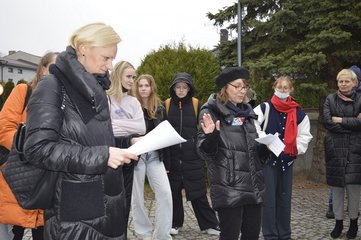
{"x": 212, "y": 231}
{"x": 175, "y": 230}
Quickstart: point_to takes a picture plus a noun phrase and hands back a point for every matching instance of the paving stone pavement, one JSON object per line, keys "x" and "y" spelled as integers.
{"x": 308, "y": 220}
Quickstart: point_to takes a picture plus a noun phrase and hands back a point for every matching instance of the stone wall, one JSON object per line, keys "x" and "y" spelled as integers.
{"x": 304, "y": 162}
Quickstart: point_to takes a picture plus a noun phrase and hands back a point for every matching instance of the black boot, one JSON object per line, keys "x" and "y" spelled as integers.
{"x": 330, "y": 214}
{"x": 352, "y": 231}
{"x": 336, "y": 232}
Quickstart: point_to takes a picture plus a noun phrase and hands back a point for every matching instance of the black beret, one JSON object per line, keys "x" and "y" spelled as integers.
{"x": 230, "y": 74}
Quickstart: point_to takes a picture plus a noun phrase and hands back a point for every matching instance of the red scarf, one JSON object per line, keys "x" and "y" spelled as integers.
{"x": 289, "y": 107}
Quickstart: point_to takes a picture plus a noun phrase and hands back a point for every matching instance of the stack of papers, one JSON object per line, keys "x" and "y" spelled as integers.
{"x": 273, "y": 142}
{"x": 164, "y": 135}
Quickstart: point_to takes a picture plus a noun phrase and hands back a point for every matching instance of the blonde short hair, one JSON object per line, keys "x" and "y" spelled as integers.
{"x": 348, "y": 73}
{"x": 94, "y": 35}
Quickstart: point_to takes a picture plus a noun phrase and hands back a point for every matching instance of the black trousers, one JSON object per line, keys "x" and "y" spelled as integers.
{"x": 245, "y": 220}
{"x": 206, "y": 216}
{"x": 18, "y": 231}
{"x": 128, "y": 175}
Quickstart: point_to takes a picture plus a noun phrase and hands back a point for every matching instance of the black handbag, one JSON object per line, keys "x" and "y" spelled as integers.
{"x": 33, "y": 187}
{"x": 4, "y": 152}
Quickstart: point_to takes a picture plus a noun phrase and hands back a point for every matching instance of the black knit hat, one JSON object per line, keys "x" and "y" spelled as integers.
{"x": 230, "y": 74}
{"x": 357, "y": 71}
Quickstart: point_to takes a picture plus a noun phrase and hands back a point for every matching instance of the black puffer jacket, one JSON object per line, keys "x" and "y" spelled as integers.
{"x": 89, "y": 196}
{"x": 343, "y": 141}
{"x": 235, "y": 159}
{"x": 184, "y": 164}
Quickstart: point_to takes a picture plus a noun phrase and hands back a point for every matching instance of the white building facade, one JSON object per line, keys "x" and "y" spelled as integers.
{"x": 18, "y": 66}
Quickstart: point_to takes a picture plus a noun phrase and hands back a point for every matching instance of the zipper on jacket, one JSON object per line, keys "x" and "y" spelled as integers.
{"x": 181, "y": 120}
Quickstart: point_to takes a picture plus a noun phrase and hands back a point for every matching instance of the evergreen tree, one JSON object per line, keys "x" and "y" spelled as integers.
{"x": 309, "y": 40}
{"x": 163, "y": 64}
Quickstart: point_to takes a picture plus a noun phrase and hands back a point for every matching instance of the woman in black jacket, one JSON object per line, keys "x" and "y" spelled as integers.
{"x": 184, "y": 166}
{"x": 69, "y": 131}
{"x": 227, "y": 140}
{"x": 342, "y": 119}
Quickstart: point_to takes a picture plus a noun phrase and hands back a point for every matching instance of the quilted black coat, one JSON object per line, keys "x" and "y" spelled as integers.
{"x": 235, "y": 159}
{"x": 343, "y": 141}
{"x": 89, "y": 196}
{"x": 184, "y": 164}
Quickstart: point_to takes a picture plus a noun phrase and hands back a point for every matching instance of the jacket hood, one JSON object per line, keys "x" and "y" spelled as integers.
{"x": 182, "y": 77}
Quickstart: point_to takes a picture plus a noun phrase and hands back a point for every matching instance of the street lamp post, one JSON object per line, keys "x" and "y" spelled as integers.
{"x": 2, "y": 63}
{"x": 239, "y": 29}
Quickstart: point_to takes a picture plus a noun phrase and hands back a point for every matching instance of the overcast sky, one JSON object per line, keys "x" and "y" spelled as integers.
{"x": 38, "y": 26}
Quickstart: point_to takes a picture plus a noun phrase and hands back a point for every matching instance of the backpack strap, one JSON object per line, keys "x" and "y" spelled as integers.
{"x": 266, "y": 115}
{"x": 27, "y": 97}
{"x": 195, "y": 102}
{"x": 167, "y": 105}
{"x": 195, "y": 106}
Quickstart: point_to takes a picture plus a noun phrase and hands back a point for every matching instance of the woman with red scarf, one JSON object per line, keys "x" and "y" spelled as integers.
{"x": 283, "y": 115}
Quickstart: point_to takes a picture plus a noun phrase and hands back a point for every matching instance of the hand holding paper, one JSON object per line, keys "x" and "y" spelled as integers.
{"x": 162, "y": 136}
{"x": 273, "y": 143}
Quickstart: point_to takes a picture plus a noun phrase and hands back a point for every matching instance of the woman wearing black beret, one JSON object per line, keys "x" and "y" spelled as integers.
{"x": 226, "y": 139}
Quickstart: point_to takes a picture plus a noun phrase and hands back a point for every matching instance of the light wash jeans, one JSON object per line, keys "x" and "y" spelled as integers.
{"x": 150, "y": 165}
{"x": 6, "y": 232}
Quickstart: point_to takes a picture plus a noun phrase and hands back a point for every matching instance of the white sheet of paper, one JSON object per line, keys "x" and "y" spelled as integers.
{"x": 164, "y": 135}
{"x": 273, "y": 143}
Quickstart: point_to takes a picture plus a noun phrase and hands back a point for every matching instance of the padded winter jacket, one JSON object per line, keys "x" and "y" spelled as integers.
{"x": 343, "y": 140}
{"x": 10, "y": 116}
{"x": 69, "y": 130}
{"x": 184, "y": 164}
{"x": 235, "y": 159}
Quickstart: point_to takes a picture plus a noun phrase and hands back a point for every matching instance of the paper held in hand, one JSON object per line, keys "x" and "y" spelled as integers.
{"x": 162, "y": 136}
{"x": 273, "y": 142}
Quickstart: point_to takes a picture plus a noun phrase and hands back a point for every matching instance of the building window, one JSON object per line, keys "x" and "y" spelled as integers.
{"x": 20, "y": 71}
{"x": 10, "y": 70}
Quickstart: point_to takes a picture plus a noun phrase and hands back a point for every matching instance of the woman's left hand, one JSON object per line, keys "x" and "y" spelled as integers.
{"x": 208, "y": 125}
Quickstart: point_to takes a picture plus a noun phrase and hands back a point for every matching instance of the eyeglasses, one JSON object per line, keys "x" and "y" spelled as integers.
{"x": 240, "y": 87}
{"x": 131, "y": 76}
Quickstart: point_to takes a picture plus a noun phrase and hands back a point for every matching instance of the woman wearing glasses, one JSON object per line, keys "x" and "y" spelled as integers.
{"x": 283, "y": 115}
{"x": 226, "y": 139}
